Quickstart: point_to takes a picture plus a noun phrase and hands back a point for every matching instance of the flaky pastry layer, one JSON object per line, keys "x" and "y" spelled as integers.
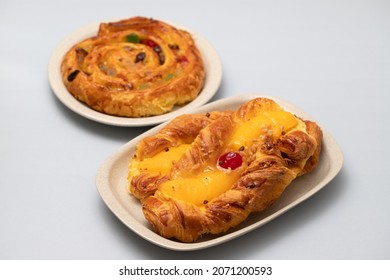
{"x": 136, "y": 67}
{"x": 185, "y": 187}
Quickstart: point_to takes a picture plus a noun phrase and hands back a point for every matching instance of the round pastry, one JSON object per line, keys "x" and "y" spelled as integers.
{"x": 136, "y": 67}
{"x": 205, "y": 173}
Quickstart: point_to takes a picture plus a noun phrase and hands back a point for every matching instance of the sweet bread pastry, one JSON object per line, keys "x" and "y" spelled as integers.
{"x": 136, "y": 67}
{"x": 205, "y": 173}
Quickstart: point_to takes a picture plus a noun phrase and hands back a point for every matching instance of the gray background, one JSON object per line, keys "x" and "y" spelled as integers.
{"x": 331, "y": 58}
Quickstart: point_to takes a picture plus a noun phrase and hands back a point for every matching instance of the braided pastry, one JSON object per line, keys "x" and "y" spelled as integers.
{"x": 205, "y": 173}
{"x": 136, "y": 67}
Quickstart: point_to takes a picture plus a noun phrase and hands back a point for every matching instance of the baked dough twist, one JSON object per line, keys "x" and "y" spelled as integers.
{"x": 188, "y": 189}
{"x": 136, "y": 67}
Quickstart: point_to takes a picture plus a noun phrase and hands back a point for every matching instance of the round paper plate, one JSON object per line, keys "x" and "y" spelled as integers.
{"x": 211, "y": 60}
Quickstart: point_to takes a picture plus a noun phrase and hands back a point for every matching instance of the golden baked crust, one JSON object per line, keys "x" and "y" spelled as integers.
{"x": 188, "y": 188}
{"x": 136, "y": 67}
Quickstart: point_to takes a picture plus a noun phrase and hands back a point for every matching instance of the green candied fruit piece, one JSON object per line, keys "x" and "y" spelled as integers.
{"x": 143, "y": 86}
{"x": 168, "y": 76}
{"x": 133, "y": 38}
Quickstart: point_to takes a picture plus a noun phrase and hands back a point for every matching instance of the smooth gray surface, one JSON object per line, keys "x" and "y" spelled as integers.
{"x": 330, "y": 58}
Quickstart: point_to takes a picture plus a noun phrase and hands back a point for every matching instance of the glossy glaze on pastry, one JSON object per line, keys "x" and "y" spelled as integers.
{"x": 136, "y": 67}
{"x": 205, "y": 173}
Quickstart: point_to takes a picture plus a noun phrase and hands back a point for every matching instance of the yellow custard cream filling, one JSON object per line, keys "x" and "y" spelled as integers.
{"x": 161, "y": 162}
{"x": 212, "y": 182}
{"x": 266, "y": 124}
{"x": 201, "y": 188}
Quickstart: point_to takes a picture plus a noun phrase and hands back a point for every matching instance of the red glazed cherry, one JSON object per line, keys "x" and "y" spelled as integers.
{"x": 182, "y": 59}
{"x": 149, "y": 43}
{"x": 231, "y": 160}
